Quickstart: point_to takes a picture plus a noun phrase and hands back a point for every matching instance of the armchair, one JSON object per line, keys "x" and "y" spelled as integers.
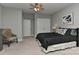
{"x": 9, "y": 37}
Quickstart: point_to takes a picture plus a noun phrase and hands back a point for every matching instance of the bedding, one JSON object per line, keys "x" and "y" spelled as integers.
{"x": 48, "y": 39}
{"x": 62, "y": 31}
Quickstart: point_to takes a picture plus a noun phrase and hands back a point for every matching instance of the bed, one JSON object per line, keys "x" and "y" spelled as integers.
{"x": 53, "y": 39}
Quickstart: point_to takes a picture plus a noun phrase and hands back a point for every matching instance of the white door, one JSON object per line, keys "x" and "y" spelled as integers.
{"x": 43, "y": 25}
{"x": 27, "y": 27}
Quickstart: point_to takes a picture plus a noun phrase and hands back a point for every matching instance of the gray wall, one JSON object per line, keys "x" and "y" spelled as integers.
{"x": 0, "y": 17}
{"x": 12, "y": 18}
{"x": 74, "y": 9}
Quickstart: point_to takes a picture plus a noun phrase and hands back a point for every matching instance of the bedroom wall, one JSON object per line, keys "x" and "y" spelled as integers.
{"x": 12, "y": 18}
{"x": 0, "y": 16}
{"x": 74, "y": 9}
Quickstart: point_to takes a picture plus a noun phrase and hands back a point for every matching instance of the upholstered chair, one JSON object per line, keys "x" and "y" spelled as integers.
{"x": 9, "y": 37}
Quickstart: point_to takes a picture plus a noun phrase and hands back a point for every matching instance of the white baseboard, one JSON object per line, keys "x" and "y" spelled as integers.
{"x": 20, "y": 40}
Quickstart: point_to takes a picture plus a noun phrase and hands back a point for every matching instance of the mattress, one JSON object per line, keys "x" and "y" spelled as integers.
{"x": 58, "y": 46}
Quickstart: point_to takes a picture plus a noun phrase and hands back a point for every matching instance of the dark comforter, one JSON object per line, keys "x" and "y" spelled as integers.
{"x": 47, "y": 39}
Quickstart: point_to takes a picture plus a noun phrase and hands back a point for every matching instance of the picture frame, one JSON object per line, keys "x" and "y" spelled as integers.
{"x": 68, "y": 19}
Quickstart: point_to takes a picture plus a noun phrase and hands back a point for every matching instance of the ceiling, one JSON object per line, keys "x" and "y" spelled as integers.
{"x": 49, "y": 8}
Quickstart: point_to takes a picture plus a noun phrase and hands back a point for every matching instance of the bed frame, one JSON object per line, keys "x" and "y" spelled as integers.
{"x": 57, "y": 47}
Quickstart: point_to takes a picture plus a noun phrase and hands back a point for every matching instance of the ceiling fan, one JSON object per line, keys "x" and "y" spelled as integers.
{"x": 37, "y": 7}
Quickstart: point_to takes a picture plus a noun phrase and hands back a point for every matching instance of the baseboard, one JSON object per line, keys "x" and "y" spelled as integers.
{"x": 27, "y": 37}
{"x": 20, "y": 40}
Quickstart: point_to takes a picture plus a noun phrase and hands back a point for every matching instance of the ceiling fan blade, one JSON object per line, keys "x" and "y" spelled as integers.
{"x": 36, "y": 3}
{"x": 32, "y": 5}
{"x": 41, "y": 9}
{"x": 41, "y": 5}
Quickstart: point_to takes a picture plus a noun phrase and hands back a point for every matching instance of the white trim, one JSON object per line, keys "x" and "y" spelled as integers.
{"x": 20, "y": 39}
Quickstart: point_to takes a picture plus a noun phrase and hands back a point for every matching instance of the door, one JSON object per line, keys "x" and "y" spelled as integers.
{"x": 43, "y": 25}
{"x": 27, "y": 27}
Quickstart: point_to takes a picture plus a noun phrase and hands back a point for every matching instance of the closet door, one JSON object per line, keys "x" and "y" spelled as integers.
{"x": 43, "y": 25}
{"x": 27, "y": 27}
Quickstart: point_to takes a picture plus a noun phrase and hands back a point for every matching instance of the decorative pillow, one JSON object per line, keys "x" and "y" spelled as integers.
{"x": 62, "y": 31}
{"x": 73, "y": 32}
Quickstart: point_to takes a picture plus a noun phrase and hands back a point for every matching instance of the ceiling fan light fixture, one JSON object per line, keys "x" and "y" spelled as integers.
{"x": 36, "y": 9}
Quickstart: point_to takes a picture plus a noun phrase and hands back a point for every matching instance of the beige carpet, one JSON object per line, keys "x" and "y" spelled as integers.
{"x": 29, "y": 46}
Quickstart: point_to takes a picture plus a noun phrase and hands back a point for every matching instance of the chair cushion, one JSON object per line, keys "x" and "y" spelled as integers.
{"x": 12, "y": 38}
{"x": 7, "y": 33}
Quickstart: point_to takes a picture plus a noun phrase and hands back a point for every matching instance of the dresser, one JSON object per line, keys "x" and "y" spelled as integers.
{"x": 1, "y": 45}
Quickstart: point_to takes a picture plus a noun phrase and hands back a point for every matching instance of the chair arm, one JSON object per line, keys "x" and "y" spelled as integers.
{"x": 13, "y": 35}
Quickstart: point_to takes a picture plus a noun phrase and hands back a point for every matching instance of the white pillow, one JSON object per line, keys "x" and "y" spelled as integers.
{"x": 73, "y": 32}
{"x": 62, "y": 31}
